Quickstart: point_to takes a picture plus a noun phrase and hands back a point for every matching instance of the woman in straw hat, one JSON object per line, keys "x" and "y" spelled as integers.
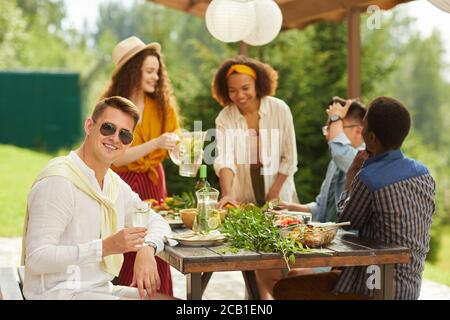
{"x": 141, "y": 76}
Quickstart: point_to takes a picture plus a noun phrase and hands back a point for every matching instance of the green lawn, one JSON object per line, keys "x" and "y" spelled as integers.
{"x": 19, "y": 167}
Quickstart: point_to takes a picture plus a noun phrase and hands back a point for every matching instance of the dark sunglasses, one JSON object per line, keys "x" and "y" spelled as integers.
{"x": 108, "y": 129}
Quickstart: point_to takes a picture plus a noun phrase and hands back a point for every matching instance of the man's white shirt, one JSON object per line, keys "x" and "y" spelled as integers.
{"x": 64, "y": 248}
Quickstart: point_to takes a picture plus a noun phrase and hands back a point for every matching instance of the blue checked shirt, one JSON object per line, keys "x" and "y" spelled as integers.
{"x": 390, "y": 200}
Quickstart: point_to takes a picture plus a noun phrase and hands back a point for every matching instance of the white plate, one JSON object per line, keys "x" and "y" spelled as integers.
{"x": 194, "y": 240}
{"x": 199, "y": 243}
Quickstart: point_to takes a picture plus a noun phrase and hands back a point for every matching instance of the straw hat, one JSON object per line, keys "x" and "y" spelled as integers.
{"x": 128, "y": 48}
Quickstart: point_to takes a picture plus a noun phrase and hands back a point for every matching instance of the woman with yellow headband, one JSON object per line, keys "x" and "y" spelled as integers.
{"x": 257, "y": 153}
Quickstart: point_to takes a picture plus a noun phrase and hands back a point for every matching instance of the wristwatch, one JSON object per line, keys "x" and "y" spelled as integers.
{"x": 335, "y": 117}
{"x": 151, "y": 244}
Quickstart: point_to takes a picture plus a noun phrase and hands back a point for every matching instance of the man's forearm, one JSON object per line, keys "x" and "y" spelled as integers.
{"x": 146, "y": 249}
{"x": 54, "y": 259}
{"x": 354, "y": 205}
{"x": 335, "y": 128}
{"x": 299, "y": 207}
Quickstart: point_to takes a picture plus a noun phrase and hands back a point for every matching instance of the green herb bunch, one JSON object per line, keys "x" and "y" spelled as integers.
{"x": 252, "y": 228}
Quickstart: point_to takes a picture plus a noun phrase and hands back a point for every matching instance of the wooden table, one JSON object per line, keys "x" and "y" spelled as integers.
{"x": 198, "y": 263}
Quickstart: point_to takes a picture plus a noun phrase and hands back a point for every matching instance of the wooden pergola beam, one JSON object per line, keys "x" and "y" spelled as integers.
{"x": 353, "y": 53}
{"x": 296, "y": 13}
{"x": 300, "y": 13}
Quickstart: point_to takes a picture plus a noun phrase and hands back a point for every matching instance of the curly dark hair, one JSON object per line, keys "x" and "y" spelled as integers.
{"x": 128, "y": 78}
{"x": 265, "y": 83}
{"x": 389, "y": 120}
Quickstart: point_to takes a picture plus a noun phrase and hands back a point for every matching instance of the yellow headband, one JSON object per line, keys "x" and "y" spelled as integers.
{"x": 241, "y": 68}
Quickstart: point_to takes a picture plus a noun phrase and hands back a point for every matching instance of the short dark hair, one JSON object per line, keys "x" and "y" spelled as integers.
{"x": 389, "y": 120}
{"x": 265, "y": 83}
{"x": 119, "y": 103}
{"x": 356, "y": 111}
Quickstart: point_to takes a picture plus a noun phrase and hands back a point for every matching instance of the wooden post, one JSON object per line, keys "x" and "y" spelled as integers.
{"x": 353, "y": 54}
{"x": 243, "y": 48}
{"x": 194, "y": 286}
{"x": 252, "y": 292}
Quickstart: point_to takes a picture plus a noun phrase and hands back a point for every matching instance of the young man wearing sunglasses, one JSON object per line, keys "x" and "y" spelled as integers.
{"x": 78, "y": 221}
{"x": 343, "y": 133}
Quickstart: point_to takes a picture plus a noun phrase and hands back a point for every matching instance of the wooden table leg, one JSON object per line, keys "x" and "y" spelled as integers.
{"x": 388, "y": 281}
{"x": 206, "y": 276}
{"x": 251, "y": 286}
{"x": 194, "y": 286}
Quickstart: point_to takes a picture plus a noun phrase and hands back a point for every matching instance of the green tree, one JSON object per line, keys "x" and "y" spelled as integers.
{"x": 418, "y": 82}
{"x": 421, "y": 69}
{"x": 12, "y": 26}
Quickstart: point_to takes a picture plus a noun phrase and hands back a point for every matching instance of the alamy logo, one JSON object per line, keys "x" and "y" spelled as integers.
{"x": 74, "y": 280}
{"x": 243, "y": 146}
{"x": 374, "y": 19}
{"x": 374, "y": 280}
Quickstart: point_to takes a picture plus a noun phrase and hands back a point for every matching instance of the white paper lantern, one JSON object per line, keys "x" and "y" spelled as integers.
{"x": 230, "y": 20}
{"x": 444, "y": 5}
{"x": 268, "y": 23}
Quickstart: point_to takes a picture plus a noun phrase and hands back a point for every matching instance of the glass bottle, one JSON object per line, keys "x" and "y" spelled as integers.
{"x": 202, "y": 182}
{"x": 207, "y": 217}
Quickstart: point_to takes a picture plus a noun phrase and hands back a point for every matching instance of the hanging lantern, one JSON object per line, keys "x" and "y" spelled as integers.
{"x": 267, "y": 25}
{"x": 444, "y": 5}
{"x": 230, "y": 20}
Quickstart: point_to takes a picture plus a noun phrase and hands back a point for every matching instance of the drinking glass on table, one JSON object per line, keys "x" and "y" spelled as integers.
{"x": 141, "y": 215}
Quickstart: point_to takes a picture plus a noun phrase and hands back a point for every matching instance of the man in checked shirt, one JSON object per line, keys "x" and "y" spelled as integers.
{"x": 388, "y": 198}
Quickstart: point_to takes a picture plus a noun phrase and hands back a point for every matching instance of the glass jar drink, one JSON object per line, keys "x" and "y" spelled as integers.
{"x": 207, "y": 218}
{"x": 188, "y": 154}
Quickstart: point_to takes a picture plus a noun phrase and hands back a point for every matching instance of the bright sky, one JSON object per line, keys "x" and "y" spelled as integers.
{"x": 428, "y": 17}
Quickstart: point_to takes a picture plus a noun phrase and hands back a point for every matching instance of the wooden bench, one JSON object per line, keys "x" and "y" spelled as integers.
{"x": 11, "y": 280}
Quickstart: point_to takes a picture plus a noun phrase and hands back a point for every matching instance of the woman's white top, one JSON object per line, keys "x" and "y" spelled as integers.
{"x": 277, "y": 148}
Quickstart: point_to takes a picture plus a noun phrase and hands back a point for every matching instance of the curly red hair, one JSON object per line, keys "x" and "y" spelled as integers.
{"x": 128, "y": 79}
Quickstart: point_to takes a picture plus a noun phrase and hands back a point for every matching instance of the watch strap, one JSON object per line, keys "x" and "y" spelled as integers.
{"x": 335, "y": 118}
{"x": 151, "y": 243}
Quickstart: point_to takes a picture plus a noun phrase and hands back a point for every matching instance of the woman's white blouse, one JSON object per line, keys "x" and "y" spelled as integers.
{"x": 277, "y": 152}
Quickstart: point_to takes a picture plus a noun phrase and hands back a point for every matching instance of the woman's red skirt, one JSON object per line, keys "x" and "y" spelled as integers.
{"x": 142, "y": 185}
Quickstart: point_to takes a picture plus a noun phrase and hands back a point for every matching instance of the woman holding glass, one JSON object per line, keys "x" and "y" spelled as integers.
{"x": 141, "y": 76}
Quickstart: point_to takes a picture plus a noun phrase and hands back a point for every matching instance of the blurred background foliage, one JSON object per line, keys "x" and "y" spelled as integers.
{"x": 396, "y": 61}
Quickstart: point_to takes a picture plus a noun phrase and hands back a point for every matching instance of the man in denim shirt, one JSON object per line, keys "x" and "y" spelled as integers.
{"x": 343, "y": 134}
